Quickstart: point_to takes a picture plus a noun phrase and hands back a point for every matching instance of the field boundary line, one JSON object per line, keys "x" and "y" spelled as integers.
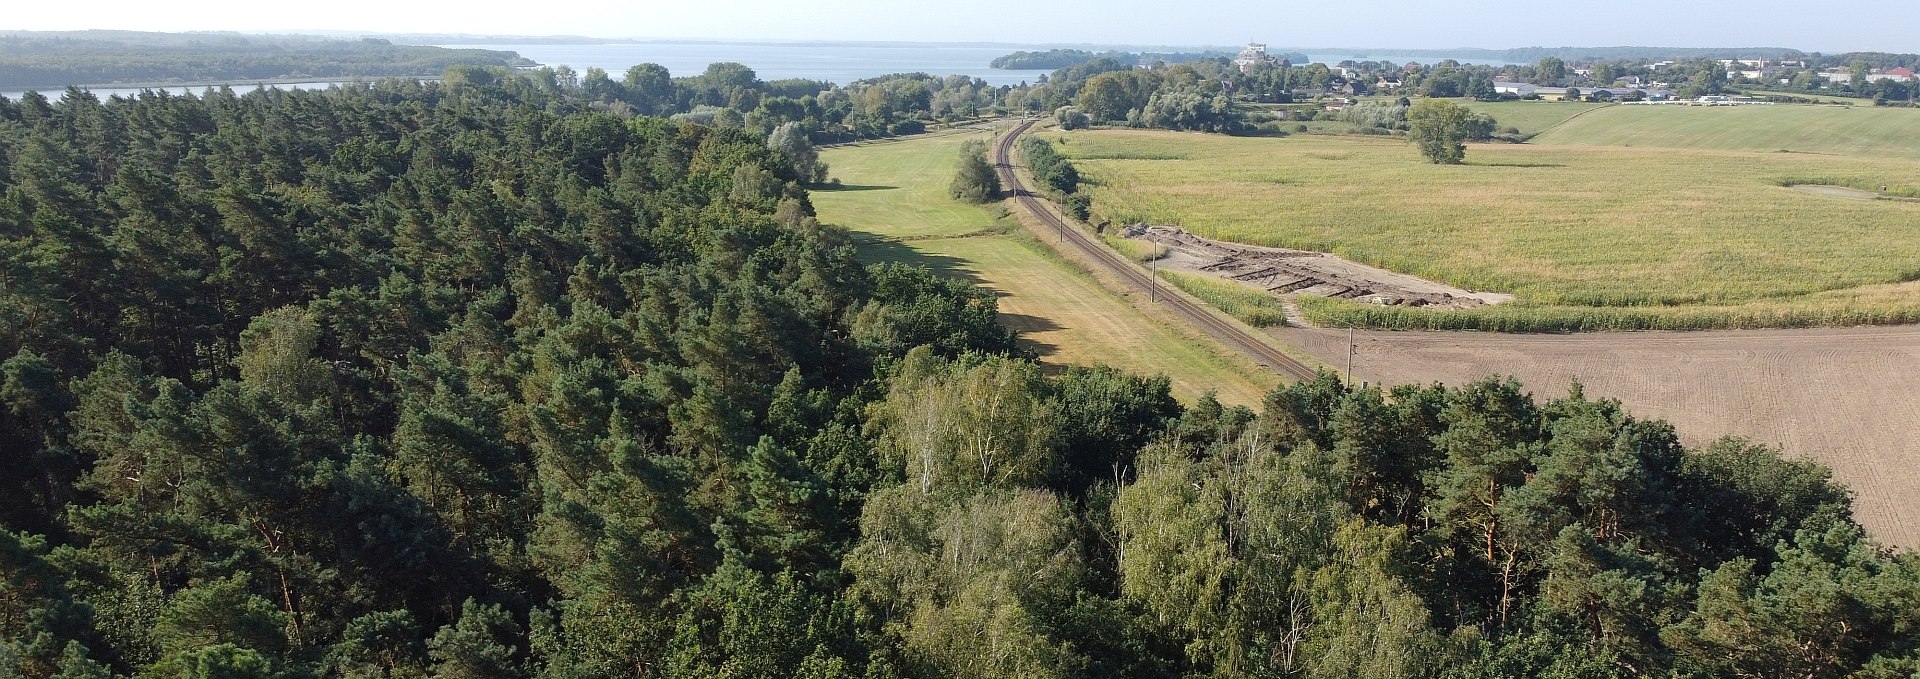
{"x": 1569, "y": 119}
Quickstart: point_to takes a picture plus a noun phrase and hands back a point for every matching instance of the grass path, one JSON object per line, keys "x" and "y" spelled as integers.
{"x": 897, "y": 206}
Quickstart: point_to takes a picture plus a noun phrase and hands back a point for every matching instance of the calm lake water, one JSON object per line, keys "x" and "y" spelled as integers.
{"x": 832, "y": 62}
{"x": 104, "y": 92}
{"x": 1334, "y": 59}
{"x": 836, "y": 63}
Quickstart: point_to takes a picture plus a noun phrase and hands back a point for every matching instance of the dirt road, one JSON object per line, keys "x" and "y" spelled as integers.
{"x": 1848, "y": 397}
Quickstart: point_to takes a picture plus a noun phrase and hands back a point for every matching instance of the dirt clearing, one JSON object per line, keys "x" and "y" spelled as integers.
{"x": 1847, "y": 397}
{"x": 1285, "y": 272}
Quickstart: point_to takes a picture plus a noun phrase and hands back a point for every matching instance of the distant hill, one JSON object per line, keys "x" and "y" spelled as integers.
{"x": 56, "y": 59}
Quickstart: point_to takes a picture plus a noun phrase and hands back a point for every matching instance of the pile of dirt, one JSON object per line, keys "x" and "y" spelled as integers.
{"x": 1287, "y": 272}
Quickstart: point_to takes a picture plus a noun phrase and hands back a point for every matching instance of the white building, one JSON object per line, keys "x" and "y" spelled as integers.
{"x": 1897, "y": 75}
{"x": 1842, "y": 75}
{"x": 1255, "y": 53}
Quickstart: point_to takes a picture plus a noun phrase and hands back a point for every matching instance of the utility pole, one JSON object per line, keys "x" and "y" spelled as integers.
{"x": 1153, "y": 279}
{"x": 1350, "y": 352}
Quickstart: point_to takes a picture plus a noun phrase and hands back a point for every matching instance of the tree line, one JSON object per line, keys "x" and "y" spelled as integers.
{"x": 482, "y": 379}
{"x": 732, "y": 96}
{"x": 1065, "y": 58}
{"x": 57, "y": 60}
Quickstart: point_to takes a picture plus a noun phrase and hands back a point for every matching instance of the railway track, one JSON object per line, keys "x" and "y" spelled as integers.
{"x": 1234, "y": 337}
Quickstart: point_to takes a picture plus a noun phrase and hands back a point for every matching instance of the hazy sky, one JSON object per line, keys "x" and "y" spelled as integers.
{"x": 1831, "y": 26}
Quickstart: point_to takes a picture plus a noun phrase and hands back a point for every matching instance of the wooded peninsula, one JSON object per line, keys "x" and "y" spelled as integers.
{"x": 56, "y": 59}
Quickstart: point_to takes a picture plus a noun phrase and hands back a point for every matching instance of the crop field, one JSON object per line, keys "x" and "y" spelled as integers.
{"x": 1587, "y": 237}
{"x": 896, "y": 204}
{"x": 1252, "y": 307}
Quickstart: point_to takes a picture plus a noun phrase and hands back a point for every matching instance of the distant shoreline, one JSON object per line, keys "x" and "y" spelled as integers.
{"x": 236, "y": 84}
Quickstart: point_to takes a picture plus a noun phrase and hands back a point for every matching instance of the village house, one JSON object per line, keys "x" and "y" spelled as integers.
{"x": 1518, "y": 89}
{"x": 1616, "y": 93}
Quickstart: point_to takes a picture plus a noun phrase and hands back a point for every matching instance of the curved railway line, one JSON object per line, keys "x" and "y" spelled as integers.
{"x": 1240, "y": 340}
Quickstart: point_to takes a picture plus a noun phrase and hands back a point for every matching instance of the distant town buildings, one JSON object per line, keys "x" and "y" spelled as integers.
{"x": 1842, "y": 75}
{"x": 1254, "y": 54}
{"x": 1520, "y": 89}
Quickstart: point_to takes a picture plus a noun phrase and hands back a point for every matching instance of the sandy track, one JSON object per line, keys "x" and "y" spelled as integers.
{"x": 1848, "y": 397}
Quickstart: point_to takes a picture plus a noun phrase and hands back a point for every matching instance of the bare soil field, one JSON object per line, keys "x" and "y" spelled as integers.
{"x": 1286, "y": 273}
{"x": 1847, "y": 397}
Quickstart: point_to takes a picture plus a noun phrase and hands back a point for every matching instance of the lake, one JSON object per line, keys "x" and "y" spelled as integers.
{"x": 104, "y": 92}
{"x": 840, "y": 63}
{"x": 1332, "y": 59}
{"x": 833, "y": 62}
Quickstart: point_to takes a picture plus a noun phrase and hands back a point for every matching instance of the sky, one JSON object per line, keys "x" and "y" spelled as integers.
{"x": 1831, "y": 26}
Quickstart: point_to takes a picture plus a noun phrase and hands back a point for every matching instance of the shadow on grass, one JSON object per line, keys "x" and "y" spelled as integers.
{"x": 851, "y": 187}
{"x": 1026, "y": 326}
{"x": 1516, "y": 164}
{"x": 873, "y": 250}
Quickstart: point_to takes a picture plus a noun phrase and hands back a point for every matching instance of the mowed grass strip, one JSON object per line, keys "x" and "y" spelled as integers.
{"x": 1059, "y": 310}
{"x": 897, "y": 188}
{"x": 1609, "y": 237}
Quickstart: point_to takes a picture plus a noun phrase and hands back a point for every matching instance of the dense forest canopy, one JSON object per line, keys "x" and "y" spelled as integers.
{"x": 487, "y": 378}
{"x": 58, "y": 59}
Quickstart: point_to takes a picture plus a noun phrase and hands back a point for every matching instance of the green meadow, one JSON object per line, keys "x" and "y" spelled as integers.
{"x": 894, "y": 200}
{"x": 1531, "y": 117}
{"x": 1587, "y": 231}
{"x": 1851, "y": 133}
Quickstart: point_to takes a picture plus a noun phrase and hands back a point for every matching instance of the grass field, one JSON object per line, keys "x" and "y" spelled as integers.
{"x": 896, "y": 203}
{"x": 1851, "y": 132}
{"x": 1530, "y": 117}
{"x": 1817, "y": 98}
{"x": 1588, "y": 237}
